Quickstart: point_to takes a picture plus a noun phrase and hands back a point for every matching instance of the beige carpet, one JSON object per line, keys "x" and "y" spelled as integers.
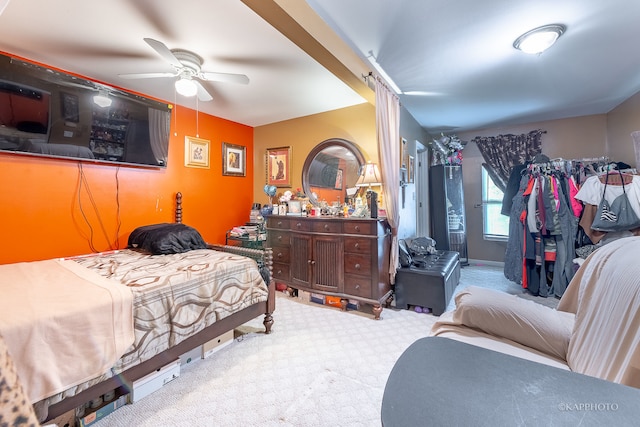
{"x": 319, "y": 367}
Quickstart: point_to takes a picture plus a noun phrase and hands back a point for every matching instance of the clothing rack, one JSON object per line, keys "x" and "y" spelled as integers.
{"x": 552, "y": 166}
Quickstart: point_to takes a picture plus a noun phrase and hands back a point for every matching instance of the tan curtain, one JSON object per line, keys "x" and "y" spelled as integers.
{"x": 159, "y": 130}
{"x": 388, "y": 135}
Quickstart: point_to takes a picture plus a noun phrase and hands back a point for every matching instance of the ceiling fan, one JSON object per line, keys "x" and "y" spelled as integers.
{"x": 188, "y": 67}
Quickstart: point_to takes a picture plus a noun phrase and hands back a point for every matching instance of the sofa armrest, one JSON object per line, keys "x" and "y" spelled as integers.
{"x": 513, "y": 318}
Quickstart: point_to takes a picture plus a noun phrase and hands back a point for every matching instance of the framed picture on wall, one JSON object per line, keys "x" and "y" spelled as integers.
{"x": 70, "y": 107}
{"x": 338, "y": 185}
{"x": 403, "y": 150}
{"x": 196, "y": 152}
{"x": 234, "y": 159}
{"x": 279, "y": 166}
{"x": 410, "y": 169}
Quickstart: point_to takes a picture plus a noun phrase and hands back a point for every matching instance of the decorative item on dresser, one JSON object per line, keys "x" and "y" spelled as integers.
{"x": 333, "y": 256}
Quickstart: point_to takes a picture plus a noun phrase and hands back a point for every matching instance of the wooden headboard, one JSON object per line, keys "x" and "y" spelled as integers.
{"x": 264, "y": 257}
{"x": 178, "y": 208}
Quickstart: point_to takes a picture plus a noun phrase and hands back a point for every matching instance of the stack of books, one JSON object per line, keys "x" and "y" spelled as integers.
{"x": 251, "y": 232}
{"x": 255, "y": 216}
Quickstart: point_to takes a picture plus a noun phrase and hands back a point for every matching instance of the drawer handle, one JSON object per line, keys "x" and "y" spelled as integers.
{"x": 279, "y": 223}
{"x": 357, "y": 246}
{"x": 312, "y": 262}
{"x": 357, "y": 266}
{"x": 279, "y": 272}
{"x": 326, "y": 226}
{"x": 298, "y": 225}
{"x": 357, "y": 228}
{"x": 279, "y": 238}
{"x": 279, "y": 255}
{"x": 357, "y": 287}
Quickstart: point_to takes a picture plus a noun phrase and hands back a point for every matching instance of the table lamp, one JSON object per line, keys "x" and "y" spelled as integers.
{"x": 370, "y": 176}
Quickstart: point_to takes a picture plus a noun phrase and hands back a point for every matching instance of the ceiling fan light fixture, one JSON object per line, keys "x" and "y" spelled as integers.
{"x": 102, "y": 99}
{"x": 539, "y": 39}
{"x": 185, "y": 86}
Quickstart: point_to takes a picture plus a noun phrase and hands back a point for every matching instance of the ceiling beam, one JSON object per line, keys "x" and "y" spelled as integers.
{"x": 283, "y": 21}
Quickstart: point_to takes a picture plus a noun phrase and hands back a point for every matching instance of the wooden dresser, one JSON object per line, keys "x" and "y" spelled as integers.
{"x": 343, "y": 257}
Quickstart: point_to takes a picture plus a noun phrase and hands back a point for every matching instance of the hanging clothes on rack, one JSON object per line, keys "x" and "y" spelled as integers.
{"x": 543, "y": 226}
{"x": 608, "y": 184}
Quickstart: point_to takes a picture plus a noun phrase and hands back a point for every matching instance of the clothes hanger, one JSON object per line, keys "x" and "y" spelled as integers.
{"x": 615, "y": 176}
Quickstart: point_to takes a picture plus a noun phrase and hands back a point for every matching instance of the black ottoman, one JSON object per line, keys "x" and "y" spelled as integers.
{"x": 429, "y": 285}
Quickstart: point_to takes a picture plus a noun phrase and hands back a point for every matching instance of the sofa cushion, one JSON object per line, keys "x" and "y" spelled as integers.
{"x": 517, "y": 319}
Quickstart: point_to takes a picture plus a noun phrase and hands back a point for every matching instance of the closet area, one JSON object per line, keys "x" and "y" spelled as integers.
{"x": 561, "y": 212}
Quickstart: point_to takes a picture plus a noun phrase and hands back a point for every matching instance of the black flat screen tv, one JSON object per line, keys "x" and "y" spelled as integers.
{"x": 44, "y": 112}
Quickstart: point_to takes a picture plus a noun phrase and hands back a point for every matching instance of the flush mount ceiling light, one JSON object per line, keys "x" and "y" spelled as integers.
{"x": 539, "y": 39}
{"x": 102, "y": 99}
{"x": 186, "y": 86}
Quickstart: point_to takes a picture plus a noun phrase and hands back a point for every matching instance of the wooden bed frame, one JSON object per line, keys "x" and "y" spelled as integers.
{"x": 124, "y": 381}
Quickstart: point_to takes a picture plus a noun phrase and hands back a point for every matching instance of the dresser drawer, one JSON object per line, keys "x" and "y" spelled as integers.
{"x": 366, "y": 228}
{"x": 357, "y": 264}
{"x": 357, "y": 286}
{"x": 278, "y": 238}
{"x": 327, "y": 227}
{"x": 280, "y": 271}
{"x": 278, "y": 222}
{"x": 357, "y": 245}
{"x": 300, "y": 225}
{"x": 281, "y": 254}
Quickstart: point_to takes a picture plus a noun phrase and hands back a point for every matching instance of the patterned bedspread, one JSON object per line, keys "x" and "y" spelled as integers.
{"x": 178, "y": 295}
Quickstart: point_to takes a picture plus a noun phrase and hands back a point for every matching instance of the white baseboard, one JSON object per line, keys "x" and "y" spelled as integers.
{"x": 480, "y": 262}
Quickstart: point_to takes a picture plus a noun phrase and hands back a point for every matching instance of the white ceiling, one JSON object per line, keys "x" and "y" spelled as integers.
{"x": 101, "y": 39}
{"x": 459, "y": 51}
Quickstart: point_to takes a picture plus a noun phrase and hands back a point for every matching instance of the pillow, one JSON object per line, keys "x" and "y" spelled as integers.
{"x": 517, "y": 319}
{"x": 162, "y": 239}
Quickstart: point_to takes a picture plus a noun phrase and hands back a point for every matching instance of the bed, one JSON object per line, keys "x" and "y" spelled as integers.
{"x": 127, "y": 313}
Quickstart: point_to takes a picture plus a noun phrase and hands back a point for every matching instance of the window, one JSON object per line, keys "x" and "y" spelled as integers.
{"x": 495, "y": 225}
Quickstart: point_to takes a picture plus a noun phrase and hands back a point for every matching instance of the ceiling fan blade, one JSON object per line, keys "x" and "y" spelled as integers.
{"x": 146, "y": 75}
{"x": 224, "y": 77}
{"x": 203, "y": 94}
{"x": 164, "y": 51}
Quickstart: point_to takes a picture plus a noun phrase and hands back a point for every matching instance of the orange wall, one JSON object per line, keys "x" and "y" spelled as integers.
{"x": 41, "y": 198}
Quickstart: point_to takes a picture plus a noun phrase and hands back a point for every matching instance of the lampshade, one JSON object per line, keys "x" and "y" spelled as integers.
{"x": 186, "y": 87}
{"x": 102, "y": 99}
{"x": 539, "y": 39}
{"x": 370, "y": 176}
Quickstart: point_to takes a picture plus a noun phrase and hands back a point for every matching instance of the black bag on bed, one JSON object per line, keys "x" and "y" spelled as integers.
{"x": 161, "y": 239}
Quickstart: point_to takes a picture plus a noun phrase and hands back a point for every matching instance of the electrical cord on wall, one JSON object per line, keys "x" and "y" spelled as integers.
{"x": 118, "y": 219}
{"x": 86, "y": 220}
{"x": 83, "y": 180}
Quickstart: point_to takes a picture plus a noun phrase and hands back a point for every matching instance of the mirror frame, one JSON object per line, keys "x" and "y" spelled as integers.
{"x": 332, "y": 142}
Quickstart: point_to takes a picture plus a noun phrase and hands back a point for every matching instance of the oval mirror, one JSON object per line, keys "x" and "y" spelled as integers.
{"x": 331, "y": 171}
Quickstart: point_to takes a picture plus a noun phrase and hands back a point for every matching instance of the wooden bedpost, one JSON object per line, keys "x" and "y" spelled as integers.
{"x": 178, "y": 208}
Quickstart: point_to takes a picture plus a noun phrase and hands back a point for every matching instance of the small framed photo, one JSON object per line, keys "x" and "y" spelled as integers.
{"x": 234, "y": 159}
{"x": 70, "y": 107}
{"x": 338, "y": 184}
{"x": 196, "y": 152}
{"x": 279, "y": 166}
{"x": 295, "y": 207}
